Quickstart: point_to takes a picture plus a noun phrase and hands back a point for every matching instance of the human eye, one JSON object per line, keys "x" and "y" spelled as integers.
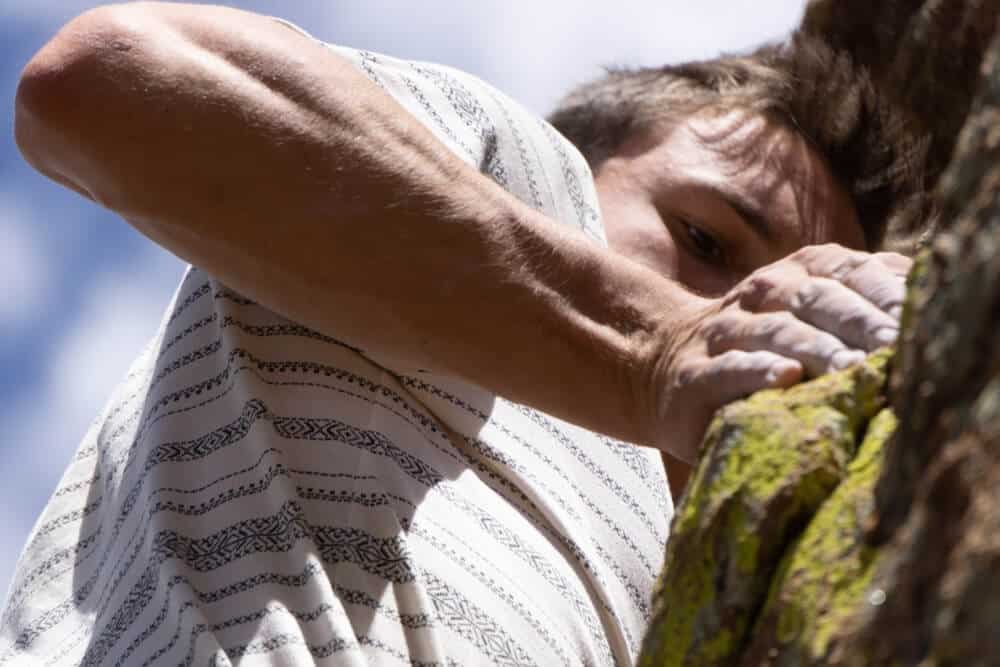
{"x": 702, "y": 244}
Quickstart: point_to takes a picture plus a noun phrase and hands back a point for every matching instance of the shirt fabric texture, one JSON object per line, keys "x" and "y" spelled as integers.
{"x": 255, "y": 492}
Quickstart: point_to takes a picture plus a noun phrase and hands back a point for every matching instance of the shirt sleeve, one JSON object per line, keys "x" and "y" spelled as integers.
{"x": 520, "y": 151}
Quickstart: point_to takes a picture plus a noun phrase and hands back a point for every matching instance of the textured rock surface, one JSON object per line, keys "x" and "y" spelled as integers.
{"x": 926, "y": 52}
{"x": 791, "y": 548}
{"x": 939, "y": 502}
{"x": 769, "y": 462}
{"x": 825, "y": 577}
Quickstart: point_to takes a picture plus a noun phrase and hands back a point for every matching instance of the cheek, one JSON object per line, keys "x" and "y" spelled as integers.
{"x": 700, "y": 278}
{"x": 640, "y": 235}
{"x": 654, "y": 247}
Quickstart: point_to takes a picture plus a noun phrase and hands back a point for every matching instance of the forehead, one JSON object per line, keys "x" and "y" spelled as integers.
{"x": 764, "y": 166}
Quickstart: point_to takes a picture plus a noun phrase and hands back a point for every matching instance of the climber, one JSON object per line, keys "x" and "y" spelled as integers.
{"x": 408, "y": 401}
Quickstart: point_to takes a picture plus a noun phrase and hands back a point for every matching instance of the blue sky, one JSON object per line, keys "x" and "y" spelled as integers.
{"x": 81, "y": 292}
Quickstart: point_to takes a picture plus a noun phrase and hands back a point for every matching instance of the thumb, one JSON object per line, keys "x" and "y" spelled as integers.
{"x": 720, "y": 380}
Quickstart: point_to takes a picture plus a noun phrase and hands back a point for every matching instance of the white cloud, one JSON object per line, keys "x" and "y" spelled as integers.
{"x": 120, "y": 312}
{"x": 577, "y": 44}
{"x": 26, "y": 268}
{"x": 534, "y": 51}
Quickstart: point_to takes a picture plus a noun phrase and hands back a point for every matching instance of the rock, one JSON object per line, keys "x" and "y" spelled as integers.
{"x": 795, "y": 545}
{"x": 824, "y": 581}
{"x": 768, "y": 464}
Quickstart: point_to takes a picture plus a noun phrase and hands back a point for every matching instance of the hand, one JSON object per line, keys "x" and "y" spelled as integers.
{"x": 820, "y": 309}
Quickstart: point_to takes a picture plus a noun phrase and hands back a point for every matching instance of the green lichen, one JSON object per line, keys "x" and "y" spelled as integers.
{"x": 789, "y": 625}
{"x": 719, "y": 646}
{"x": 767, "y": 465}
{"x": 825, "y": 577}
{"x": 917, "y": 289}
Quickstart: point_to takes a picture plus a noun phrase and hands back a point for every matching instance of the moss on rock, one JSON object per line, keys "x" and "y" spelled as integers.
{"x": 767, "y": 465}
{"x": 824, "y": 580}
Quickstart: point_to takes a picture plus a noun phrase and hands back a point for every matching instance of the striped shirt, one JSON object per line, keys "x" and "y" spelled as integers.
{"x": 258, "y": 492}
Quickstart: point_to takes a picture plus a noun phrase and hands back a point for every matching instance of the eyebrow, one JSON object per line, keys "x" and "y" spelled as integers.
{"x": 752, "y": 215}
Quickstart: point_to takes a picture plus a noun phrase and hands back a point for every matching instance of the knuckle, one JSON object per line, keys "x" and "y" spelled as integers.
{"x": 826, "y": 345}
{"x": 874, "y": 261}
{"x": 732, "y": 360}
{"x": 809, "y": 292}
{"x": 804, "y": 256}
{"x": 787, "y": 336}
{"x": 756, "y": 288}
{"x": 783, "y": 323}
{"x": 885, "y": 288}
{"x": 803, "y": 349}
{"x": 830, "y": 259}
{"x": 718, "y": 330}
{"x": 728, "y": 319}
{"x": 849, "y": 265}
{"x": 812, "y": 253}
{"x": 687, "y": 374}
{"x": 773, "y": 330}
{"x": 858, "y": 321}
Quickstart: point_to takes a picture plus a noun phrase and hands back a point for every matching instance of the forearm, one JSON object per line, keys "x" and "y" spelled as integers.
{"x": 267, "y": 160}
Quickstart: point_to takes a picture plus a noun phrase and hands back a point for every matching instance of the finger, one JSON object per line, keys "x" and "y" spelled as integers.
{"x": 898, "y": 264}
{"x": 829, "y": 260}
{"x": 879, "y": 277}
{"x": 835, "y": 261}
{"x": 770, "y": 288}
{"x": 880, "y": 284}
{"x": 738, "y": 373}
{"x": 784, "y": 334}
{"x": 839, "y": 310}
{"x": 712, "y": 383}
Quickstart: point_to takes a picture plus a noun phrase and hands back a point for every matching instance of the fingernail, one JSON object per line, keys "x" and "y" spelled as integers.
{"x": 846, "y": 358}
{"x": 896, "y": 312}
{"x": 886, "y": 335}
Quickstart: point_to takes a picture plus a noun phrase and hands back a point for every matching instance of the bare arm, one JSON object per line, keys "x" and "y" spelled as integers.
{"x": 269, "y": 161}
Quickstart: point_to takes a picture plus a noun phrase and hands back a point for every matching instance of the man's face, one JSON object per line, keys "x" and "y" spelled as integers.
{"x": 708, "y": 199}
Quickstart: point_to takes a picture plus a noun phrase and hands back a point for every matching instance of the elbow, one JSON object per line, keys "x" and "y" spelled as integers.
{"x": 63, "y": 88}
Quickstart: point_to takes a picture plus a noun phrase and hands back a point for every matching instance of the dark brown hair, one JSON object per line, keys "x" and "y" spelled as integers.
{"x": 870, "y": 145}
